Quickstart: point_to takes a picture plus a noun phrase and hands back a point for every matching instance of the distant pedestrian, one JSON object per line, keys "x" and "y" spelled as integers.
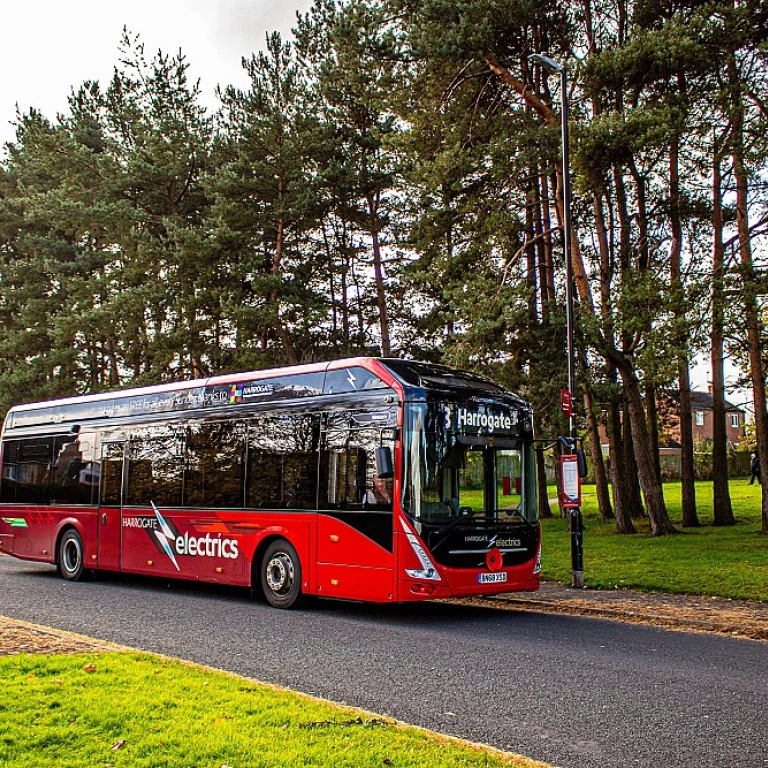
{"x": 754, "y": 468}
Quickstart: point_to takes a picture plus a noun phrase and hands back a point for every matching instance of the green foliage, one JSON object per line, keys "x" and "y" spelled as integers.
{"x": 265, "y": 202}
{"x": 653, "y": 57}
{"x": 452, "y": 32}
{"x": 93, "y": 210}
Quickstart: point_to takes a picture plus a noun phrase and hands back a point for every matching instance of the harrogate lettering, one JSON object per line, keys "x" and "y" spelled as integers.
{"x": 139, "y": 522}
{"x": 489, "y": 421}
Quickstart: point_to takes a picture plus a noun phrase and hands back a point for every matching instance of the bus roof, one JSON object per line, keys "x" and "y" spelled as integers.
{"x": 337, "y": 377}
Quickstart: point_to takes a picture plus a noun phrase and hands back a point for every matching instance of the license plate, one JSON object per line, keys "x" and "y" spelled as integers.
{"x": 492, "y": 578}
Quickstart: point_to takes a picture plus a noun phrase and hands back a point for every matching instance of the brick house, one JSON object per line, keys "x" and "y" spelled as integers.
{"x": 702, "y": 407}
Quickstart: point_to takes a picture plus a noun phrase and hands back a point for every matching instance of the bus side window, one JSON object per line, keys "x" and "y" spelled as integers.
{"x": 73, "y": 469}
{"x": 282, "y": 461}
{"x": 10, "y": 471}
{"x": 213, "y": 475}
{"x": 348, "y": 471}
{"x": 33, "y": 471}
{"x": 155, "y": 467}
{"x": 111, "y": 472}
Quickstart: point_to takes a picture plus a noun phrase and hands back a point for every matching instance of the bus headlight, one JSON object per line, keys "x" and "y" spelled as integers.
{"x": 537, "y": 567}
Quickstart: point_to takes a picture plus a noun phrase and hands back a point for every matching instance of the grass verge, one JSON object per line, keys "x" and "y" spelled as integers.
{"x": 727, "y": 561}
{"x": 130, "y": 710}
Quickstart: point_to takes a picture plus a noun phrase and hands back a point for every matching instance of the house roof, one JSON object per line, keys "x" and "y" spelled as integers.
{"x": 703, "y": 401}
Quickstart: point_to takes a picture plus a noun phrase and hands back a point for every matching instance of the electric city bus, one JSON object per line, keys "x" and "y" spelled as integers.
{"x": 362, "y": 479}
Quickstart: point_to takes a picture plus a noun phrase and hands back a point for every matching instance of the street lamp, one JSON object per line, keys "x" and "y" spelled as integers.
{"x": 577, "y": 558}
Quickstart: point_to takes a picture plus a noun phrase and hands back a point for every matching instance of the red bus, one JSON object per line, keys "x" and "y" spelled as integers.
{"x": 365, "y": 479}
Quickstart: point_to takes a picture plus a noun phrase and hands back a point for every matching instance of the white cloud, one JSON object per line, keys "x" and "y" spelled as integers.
{"x": 48, "y": 48}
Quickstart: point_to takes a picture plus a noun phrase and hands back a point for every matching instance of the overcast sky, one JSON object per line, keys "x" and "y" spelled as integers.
{"x": 51, "y": 46}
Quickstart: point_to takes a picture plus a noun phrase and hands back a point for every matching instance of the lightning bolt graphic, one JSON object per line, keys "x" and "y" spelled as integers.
{"x": 351, "y": 379}
{"x": 164, "y": 535}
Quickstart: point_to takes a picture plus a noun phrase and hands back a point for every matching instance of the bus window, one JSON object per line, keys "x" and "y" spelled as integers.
{"x": 282, "y": 461}
{"x": 213, "y": 476}
{"x": 112, "y": 474}
{"x": 73, "y": 469}
{"x": 155, "y": 467}
{"x": 33, "y": 471}
{"x": 351, "y": 380}
{"x": 10, "y": 471}
{"x": 348, "y": 471}
{"x": 451, "y": 476}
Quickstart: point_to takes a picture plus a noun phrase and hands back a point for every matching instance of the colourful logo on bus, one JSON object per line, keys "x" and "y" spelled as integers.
{"x": 236, "y": 393}
{"x": 15, "y": 522}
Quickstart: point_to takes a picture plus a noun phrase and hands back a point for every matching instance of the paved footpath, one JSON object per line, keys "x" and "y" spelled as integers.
{"x": 736, "y": 618}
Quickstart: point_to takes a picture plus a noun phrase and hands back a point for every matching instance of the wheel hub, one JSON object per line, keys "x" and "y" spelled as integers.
{"x": 71, "y": 556}
{"x": 280, "y": 573}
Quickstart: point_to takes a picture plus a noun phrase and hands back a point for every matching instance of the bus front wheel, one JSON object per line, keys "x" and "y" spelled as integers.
{"x": 281, "y": 575}
{"x": 70, "y": 560}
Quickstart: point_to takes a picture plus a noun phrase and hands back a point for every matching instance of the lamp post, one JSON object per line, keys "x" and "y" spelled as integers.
{"x": 577, "y": 559}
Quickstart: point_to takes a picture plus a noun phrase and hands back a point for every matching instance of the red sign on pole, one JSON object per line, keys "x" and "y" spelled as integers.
{"x": 571, "y": 496}
{"x": 566, "y": 400}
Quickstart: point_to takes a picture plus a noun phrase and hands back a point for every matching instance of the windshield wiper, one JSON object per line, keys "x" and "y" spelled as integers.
{"x": 515, "y": 517}
{"x": 465, "y": 513}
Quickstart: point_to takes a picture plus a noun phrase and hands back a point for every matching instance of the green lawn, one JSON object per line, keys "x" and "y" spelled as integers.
{"x": 728, "y": 562}
{"x": 129, "y": 710}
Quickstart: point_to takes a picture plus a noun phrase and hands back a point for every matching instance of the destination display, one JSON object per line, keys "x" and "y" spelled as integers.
{"x": 481, "y": 420}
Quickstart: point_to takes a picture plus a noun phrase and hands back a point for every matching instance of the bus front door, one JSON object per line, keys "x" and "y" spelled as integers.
{"x": 110, "y": 504}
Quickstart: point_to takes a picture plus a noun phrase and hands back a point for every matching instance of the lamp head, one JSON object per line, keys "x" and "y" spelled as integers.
{"x": 546, "y": 61}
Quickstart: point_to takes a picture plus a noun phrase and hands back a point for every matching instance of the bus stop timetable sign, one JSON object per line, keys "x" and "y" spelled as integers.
{"x": 571, "y": 495}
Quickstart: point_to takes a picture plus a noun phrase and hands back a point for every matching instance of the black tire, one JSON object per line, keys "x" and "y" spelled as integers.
{"x": 70, "y": 560}
{"x": 281, "y": 575}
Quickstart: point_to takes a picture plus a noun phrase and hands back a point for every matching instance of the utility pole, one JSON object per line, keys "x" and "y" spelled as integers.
{"x": 571, "y": 496}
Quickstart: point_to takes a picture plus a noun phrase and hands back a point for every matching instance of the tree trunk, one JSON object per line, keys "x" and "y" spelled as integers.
{"x": 750, "y": 286}
{"x": 274, "y": 295}
{"x": 543, "y": 243}
{"x": 649, "y": 483}
{"x": 114, "y": 373}
{"x": 687, "y": 471}
{"x": 652, "y": 419}
{"x": 631, "y": 480}
{"x": 598, "y": 463}
{"x": 620, "y": 473}
{"x": 378, "y": 274}
{"x": 722, "y": 508}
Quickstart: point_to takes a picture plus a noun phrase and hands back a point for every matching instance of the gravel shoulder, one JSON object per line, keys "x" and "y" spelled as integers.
{"x": 22, "y": 637}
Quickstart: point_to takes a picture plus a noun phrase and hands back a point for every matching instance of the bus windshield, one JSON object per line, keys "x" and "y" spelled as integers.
{"x": 450, "y": 476}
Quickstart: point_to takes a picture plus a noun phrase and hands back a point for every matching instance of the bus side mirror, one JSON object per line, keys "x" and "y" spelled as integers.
{"x": 384, "y": 467}
{"x": 581, "y": 462}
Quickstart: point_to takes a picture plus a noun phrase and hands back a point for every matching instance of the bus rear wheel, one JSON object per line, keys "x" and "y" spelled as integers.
{"x": 281, "y": 575}
{"x": 70, "y": 559}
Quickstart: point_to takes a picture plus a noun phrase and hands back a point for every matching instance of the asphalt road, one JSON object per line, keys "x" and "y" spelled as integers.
{"x": 571, "y": 691}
